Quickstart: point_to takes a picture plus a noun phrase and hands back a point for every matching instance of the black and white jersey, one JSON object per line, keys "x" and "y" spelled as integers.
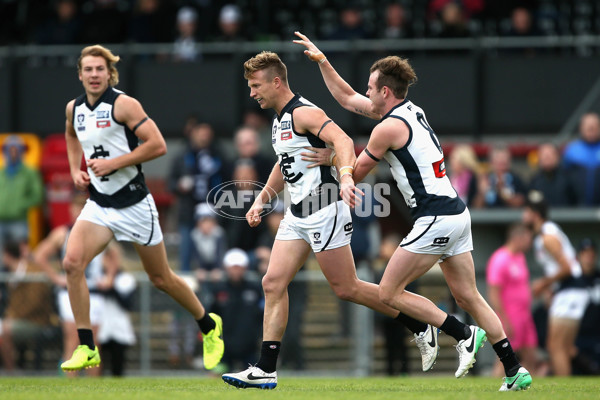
{"x": 546, "y": 260}
{"x": 102, "y": 136}
{"x": 418, "y": 167}
{"x": 300, "y": 180}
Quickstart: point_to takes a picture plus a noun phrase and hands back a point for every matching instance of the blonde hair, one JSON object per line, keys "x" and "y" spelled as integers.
{"x": 266, "y": 60}
{"x": 111, "y": 60}
{"x": 466, "y": 156}
{"x": 396, "y": 73}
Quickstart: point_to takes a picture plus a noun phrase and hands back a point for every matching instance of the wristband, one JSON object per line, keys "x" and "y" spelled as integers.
{"x": 348, "y": 168}
{"x": 332, "y": 157}
{"x": 322, "y": 60}
{"x": 345, "y": 173}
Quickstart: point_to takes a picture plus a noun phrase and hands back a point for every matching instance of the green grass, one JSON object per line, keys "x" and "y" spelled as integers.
{"x": 292, "y": 388}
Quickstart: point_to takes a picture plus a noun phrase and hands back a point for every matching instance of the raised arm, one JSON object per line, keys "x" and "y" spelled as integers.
{"x": 339, "y": 88}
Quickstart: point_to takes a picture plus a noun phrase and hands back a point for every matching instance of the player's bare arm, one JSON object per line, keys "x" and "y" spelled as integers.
{"x": 46, "y": 249}
{"x": 339, "y": 88}
{"x": 129, "y": 111}
{"x": 272, "y": 188}
{"x": 552, "y": 244}
{"x": 81, "y": 179}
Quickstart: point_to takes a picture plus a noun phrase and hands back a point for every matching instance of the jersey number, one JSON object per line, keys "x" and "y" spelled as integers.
{"x": 439, "y": 167}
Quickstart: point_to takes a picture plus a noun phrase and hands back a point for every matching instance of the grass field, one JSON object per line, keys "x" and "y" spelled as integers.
{"x": 292, "y": 389}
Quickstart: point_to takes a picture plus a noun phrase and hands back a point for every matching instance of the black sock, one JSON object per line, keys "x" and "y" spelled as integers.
{"x": 507, "y": 356}
{"x": 206, "y": 323}
{"x": 413, "y": 325}
{"x": 269, "y": 352}
{"x": 86, "y": 337}
{"x": 455, "y": 328}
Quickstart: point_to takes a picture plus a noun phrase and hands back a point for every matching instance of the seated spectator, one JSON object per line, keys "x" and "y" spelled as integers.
{"x": 522, "y": 23}
{"x": 63, "y": 27}
{"x": 210, "y": 243}
{"x": 551, "y": 180}
{"x": 501, "y": 187}
{"x": 582, "y": 161}
{"x": 104, "y": 22}
{"x": 230, "y": 24}
{"x": 453, "y": 22}
{"x": 240, "y": 302}
{"x": 463, "y": 172}
{"x": 29, "y": 310}
{"x": 185, "y": 48}
{"x": 396, "y": 25}
{"x": 351, "y": 25}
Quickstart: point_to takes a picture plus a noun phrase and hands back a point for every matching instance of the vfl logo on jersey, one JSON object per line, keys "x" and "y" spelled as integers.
{"x": 274, "y": 135}
{"x": 80, "y": 119}
{"x": 317, "y": 238}
{"x": 440, "y": 241}
{"x": 439, "y": 168}
{"x": 102, "y": 124}
{"x": 286, "y": 135}
{"x": 102, "y": 114}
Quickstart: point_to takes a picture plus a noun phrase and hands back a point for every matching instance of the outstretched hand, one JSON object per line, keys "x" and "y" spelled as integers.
{"x": 317, "y": 156}
{"x": 350, "y": 193}
{"x": 312, "y": 51}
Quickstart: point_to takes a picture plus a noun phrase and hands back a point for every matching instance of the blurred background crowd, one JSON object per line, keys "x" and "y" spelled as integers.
{"x": 223, "y": 258}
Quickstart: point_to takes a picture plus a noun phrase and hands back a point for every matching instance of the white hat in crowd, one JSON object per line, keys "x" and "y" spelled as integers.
{"x": 236, "y": 257}
{"x": 230, "y": 14}
{"x": 186, "y": 15}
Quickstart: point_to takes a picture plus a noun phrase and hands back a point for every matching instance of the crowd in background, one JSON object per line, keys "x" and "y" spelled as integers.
{"x": 186, "y": 21}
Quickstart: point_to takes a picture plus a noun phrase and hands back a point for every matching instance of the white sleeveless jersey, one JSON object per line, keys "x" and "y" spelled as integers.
{"x": 101, "y": 136}
{"x": 544, "y": 258}
{"x": 94, "y": 270}
{"x": 418, "y": 168}
{"x": 300, "y": 180}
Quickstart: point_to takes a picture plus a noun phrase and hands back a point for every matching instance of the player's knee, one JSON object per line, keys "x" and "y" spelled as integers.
{"x": 346, "y": 292}
{"x": 160, "y": 282}
{"x": 386, "y": 295}
{"x": 72, "y": 265}
{"x": 272, "y": 286}
{"x": 467, "y": 299}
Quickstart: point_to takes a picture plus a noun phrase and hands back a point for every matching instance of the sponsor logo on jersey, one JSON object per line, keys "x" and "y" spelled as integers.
{"x": 441, "y": 241}
{"x": 317, "y": 237}
{"x": 286, "y": 135}
{"x": 286, "y": 125}
{"x": 102, "y": 124}
{"x": 103, "y": 114}
{"x": 348, "y": 228}
{"x": 439, "y": 168}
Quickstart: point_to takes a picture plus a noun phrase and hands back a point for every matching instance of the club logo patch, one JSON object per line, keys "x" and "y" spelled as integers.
{"x": 317, "y": 237}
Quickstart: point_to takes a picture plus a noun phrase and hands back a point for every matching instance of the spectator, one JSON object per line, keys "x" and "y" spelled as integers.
{"x": 521, "y": 23}
{"x": 240, "y": 234}
{"x": 396, "y": 26}
{"x": 551, "y": 180}
{"x": 104, "y": 22}
{"x": 63, "y": 27}
{"x": 257, "y": 119}
{"x": 197, "y": 170}
{"x": 230, "y": 24}
{"x": 509, "y": 294}
{"x": 463, "y": 172}
{"x": 22, "y": 189}
{"x": 582, "y": 160}
{"x": 240, "y": 302}
{"x": 501, "y": 187}
{"x": 210, "y": 243}
{"x": 149, "y": 24}
{"x": 453, "y": 22}
{"x": 247, "y": 145}
{"x": 116, "y": 331}
{"x": 470, "y": 8}
{"x": 185, "y": 48}
{"x": 29, "y": 309}
{"x": 351, "y": 25}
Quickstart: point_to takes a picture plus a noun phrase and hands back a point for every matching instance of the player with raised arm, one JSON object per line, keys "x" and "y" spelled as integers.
{"x": 105, "y": 125}
{"x": 318, "y": 218}
{"x": 442, "y": 228}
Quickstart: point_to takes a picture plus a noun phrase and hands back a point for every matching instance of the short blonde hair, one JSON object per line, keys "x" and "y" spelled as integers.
{"x": 266, "y": 60}
{"x": 396, "y": 73}
{"x": 111, "y": 61}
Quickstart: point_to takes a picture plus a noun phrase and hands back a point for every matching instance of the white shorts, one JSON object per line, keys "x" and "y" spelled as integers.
{"x": 446, "y": 235}
{"x": 66, "y": 313}
{"x": 137, "y": 223}
{"x": 326, "y": 229}
{"x": 569, "y": 303}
